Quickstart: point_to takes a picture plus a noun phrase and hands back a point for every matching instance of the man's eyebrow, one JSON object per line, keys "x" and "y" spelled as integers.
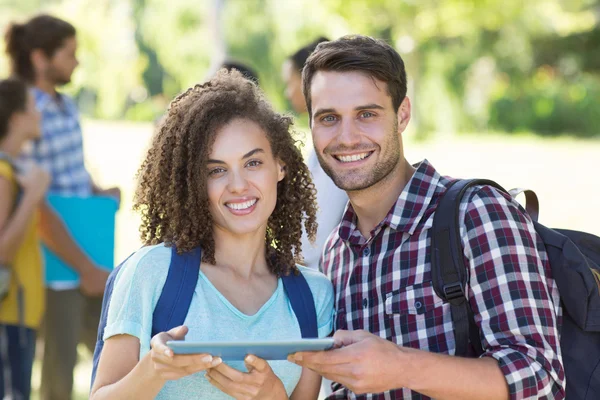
{"x": 322, "y": 111}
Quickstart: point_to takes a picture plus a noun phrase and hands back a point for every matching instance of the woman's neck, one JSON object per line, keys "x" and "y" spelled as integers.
{"x": 245, "y": 254}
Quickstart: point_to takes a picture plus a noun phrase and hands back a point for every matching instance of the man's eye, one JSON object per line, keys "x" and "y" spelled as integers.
{"x": 366, "y": 114}
{"x": 328, "y": 118}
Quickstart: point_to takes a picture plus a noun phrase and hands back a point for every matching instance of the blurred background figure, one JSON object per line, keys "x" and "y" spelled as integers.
{"x": 247, "y": 71}
{"x": 330, "y": 199}
{"x": 43, "y": 54}
{"x": 22, "y": 306}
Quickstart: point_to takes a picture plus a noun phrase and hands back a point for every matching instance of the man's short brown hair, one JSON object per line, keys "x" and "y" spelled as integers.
{"x": 356, "y": 53}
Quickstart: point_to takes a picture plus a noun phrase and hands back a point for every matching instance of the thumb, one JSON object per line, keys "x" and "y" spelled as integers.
{"x": 256, "y": 363}
{"x": 179, "y": 332}
{"x": 346, "y": 338}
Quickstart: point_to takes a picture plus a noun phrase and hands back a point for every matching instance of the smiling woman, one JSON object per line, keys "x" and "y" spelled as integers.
{"x": 223, "y": 175}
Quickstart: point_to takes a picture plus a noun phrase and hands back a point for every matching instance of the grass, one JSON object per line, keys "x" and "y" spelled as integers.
{"x": 563, "y": 172}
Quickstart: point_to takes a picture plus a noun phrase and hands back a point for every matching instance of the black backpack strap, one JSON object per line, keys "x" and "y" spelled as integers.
{"x": 448, "y": 270}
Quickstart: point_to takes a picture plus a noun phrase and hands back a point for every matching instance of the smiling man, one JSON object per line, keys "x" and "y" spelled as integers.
{"x": 396, "y": 335}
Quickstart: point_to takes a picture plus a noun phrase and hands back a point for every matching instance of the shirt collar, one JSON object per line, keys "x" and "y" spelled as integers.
{"x": 43, "y": 99}
{"x": 406, "y": 214}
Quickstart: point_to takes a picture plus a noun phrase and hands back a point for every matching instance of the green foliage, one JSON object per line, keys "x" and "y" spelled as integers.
{"x": 472, "y": 64}
{"x": 548, "y": 105}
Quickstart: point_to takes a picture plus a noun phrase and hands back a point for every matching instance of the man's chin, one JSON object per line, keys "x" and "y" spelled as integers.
{"x": 62, "y": 82}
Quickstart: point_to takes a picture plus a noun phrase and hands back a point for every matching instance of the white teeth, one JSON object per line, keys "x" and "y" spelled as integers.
{"x": 355, "y": 157}
{"x": 241, "y": 206}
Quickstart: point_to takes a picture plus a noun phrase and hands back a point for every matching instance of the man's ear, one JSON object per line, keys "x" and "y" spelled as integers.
{"x": 39, "y": 60}
{"x": 404, "y": 114}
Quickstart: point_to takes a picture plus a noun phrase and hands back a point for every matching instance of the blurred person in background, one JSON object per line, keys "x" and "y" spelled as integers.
{"x": 246, "y": 71}
{"x": 224, "y": 140}
{"x": 331, "y": 200}
{"x": 21, "y": 194}
{"x": 42, "y": 52}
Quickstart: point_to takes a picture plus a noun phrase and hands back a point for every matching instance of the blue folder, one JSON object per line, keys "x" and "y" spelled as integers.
{"x": 91, "y": 222}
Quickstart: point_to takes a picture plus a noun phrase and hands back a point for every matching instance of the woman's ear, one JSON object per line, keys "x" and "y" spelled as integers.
{"x": 282, "y": 170}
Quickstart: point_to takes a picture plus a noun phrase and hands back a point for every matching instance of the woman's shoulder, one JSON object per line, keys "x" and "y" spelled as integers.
{"x": 316, "y": 280}
{"x": 148, "y": 263}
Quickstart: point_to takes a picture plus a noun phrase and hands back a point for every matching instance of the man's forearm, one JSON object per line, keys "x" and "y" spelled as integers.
{"x": 56, "y": 236}
{"x": 446, "y": 377}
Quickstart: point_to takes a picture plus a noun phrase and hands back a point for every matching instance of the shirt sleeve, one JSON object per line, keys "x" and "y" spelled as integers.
{"x": 137, "y": 288}
{"x": 514, "y": 299}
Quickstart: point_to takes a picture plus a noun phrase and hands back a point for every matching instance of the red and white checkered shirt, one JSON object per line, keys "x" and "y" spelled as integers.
{"x": 384, "y": 285}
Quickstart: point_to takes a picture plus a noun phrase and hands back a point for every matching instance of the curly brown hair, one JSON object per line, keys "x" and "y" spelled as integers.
{"x": 172, "y": 194}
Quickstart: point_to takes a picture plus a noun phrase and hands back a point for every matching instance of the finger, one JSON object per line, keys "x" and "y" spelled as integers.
{"x": 179, "y": 332}
{"x": 346, "y": 338}
{"x": 228, "y": 386}
{"x": 201, "y": 361}
{"x": 341, "y": 373}
{"x": 232, "y": 373}
{"x": 219, "y": 386}
{"x": 159, "y": 341}
{"x": 193, "y": 361}
{"x": 256, "y": 363}
{"x": 308, "y": 358}
{"x": 158, "y": 344}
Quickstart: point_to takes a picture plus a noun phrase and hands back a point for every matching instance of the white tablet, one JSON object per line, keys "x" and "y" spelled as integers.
{"x": 237, "y": 351}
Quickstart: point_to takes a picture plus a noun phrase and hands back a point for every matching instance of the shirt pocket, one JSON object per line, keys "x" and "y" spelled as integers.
{"x": 416, "y": 317}
{"x": 417, "y": 299}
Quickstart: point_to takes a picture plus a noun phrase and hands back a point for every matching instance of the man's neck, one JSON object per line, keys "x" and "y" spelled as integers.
{"x": 372, "y": 205}
{"x": 45, "y": 86}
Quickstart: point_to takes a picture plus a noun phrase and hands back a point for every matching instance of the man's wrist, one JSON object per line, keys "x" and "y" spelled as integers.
{"x": 85, "y": 267}
{"x": 408, "y": 366}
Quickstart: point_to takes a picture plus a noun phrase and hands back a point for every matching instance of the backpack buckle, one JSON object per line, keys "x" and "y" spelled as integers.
{"x": 454, "y": 291}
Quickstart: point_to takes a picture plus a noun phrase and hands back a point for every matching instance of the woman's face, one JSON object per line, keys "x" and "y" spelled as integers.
{"x": 242, "y": 177}
{"x": 293, "y": 86}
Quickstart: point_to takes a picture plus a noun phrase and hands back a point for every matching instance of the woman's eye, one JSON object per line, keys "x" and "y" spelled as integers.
{"x": 254, "y": 163}
{"x": 215, "y": 171}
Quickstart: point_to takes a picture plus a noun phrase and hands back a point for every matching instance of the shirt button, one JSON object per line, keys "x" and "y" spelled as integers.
{"x": 365, "y": 303}
{"x": 418, "y": 305}
{"x": 366, "y": 252}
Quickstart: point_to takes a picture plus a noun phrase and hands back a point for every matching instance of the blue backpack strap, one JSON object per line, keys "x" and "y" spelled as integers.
{"x": 303, "y": 304}
{"x": 176, "y": 296}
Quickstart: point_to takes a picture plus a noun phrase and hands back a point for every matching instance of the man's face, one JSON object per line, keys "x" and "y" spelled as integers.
{"x": 61, "y": 65}
{"x": 355, "y": 129}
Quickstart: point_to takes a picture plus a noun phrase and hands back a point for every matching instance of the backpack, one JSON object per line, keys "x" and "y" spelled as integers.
{"x": 176, "y": 297}
{"x": 575, "y": 262}
{"x": 6, "y": 275}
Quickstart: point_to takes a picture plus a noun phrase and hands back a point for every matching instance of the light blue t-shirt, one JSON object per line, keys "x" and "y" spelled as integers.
{"x": 211, "y": 316}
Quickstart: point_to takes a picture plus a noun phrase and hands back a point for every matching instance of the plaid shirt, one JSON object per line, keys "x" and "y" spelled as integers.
{"x": 60, "y": 149}
{"x": 384, "y": 285}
